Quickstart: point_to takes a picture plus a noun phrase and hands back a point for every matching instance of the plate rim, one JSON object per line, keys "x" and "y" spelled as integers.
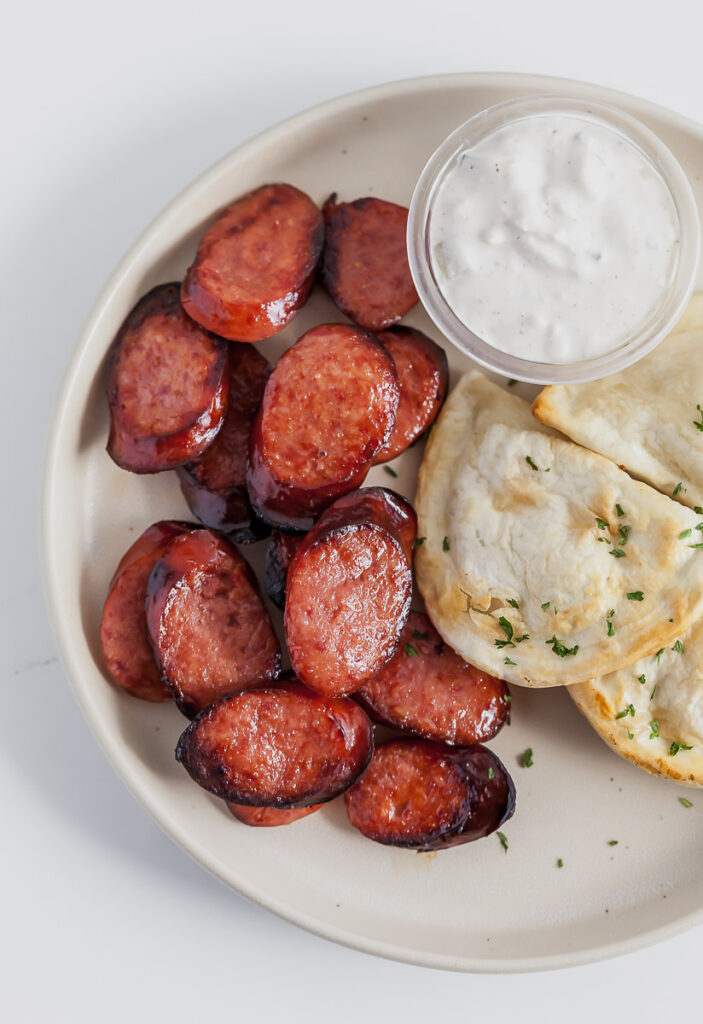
{"x": 62, "y": 630}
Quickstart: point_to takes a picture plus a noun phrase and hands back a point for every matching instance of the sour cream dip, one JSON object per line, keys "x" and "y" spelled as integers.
{"x": 554, "y": 238}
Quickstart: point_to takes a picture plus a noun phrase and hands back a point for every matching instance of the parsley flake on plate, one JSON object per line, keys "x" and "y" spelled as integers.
{"x": 684, "y": 802}
{"x": 684, "y": 534}
{"x": 677, "y": 489}
{"x": 410, "y": 650}
{"x": 618, "y": 509}
{"x": 419, "y": 635}
{"x": 635, "y": 595}
{"x": 390, "y": 471}
{"x": 695, "y": 422}
{"x": 641, "y": 679}
{"x": 526, "y": 759}
{"x": 513, "y": 602}
{"x": 617, "y": 553}
{"x": 655, "y": 729}
{"x": 560, "y": 649}
{"x": 503, "y": 840}
{"x": 602, "y": 525}
{"x": 678, "y": 647}
{"x": 612, "y": 842}
{"x": 508, "y": 661}
{"x": 531, "y": 463}
{"x": 419, "y": 541}
{"x": 629, "y": 710}
{"x": 676, "y": 746}
{"x": 445, "y": 544}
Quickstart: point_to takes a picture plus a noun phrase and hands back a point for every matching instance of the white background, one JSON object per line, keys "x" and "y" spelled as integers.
{"x": 109, "y": 109}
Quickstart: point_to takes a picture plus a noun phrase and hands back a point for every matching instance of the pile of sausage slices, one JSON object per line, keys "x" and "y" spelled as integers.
{"x": 283, "y": 452}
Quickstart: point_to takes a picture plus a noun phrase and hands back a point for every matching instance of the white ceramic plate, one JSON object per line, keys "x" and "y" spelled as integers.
{"x": 471, "y": 908}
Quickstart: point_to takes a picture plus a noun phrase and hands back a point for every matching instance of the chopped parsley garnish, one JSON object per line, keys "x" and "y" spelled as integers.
{"x": 410, "y": 650}
{"x": 610, "y": 613}
{"x": 531, "y": 463}
{"x": 677, "y": 489}
{"x": 508, "y": 661}
{"x": 622, "y": 539}
{"x": 419, "y": 635}
{"x": 503, "y": 840}
{"x": 617, "y": 553}
{"x": 641, "y": 679}
{"x": 507, "y": 627}
{"x": 612, "y": 842}
{"x": 684, "y": 534}
{"x": 611, "y": 631}
{"x": 602, "y": 525}
{"x": 560, "y": 862}
{"x": 561, "y": 649}
{"x": 512, "y": 383}
{"x": 635, "y": 595}
{"x": 695, "y": 422}
{"x": 629, "y": 710}
{"x": 507, "y": 698}
{"x": 390, "y": 471}
{"x": 654, "y": 690}
{"x": 678, "y": 647}
{"x": 618, "y": 509}
{"x": 513, "y": 602}
{"x": 695, "y": 545}
{"x": 445, "y": 544}
{"x": 659, "y": 654}
{"x": 526, "y": 759}
{"x": 630, "y": 735}
{"x": 419, "y": 541}
{"x": 604, "y": 540}
{"x": 698, "y": 509}
{"x": 676, "y": 746}
{"x": 655, "y": 729}
{"x": 491, "y": 773}
{"x": 684, "y": 802}
{"x": 545, "y": 606}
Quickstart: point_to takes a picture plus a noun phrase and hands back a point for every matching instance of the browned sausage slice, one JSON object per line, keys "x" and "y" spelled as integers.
{"x": 279, "y": 553}
{"x": 214, "y": 484}
{"x": 428, "y": 796}
{"x": 206, "y": 621}
{"x": 255, "y": 265}
{"x": 269, "y": 817}
{"x": 280, "y": 746}
{"x": 126, "y": 652}
{"x": 423, "y": 373}
{"x": 428, "y": 690}
{"x": 349, "y": 589}
{"x": 328, "y": 408}
{"x": 365, "y": 261}
{"x": 167, "y": 385}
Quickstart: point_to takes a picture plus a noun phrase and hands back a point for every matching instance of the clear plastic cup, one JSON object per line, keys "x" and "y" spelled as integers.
{"x": 644, "y": 336}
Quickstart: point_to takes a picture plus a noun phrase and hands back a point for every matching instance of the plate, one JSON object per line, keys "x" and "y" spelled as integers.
{"x": 475, "y": 907}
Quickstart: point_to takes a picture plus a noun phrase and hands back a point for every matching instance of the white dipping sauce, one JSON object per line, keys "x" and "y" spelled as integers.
{"x": 554, "y": 238}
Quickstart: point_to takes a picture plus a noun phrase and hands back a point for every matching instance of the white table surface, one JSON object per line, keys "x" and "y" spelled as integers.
{"x": 109, "y": 110}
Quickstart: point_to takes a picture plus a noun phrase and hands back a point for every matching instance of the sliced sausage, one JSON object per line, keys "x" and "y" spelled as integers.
{"x": 428, "y": 690}
{"x": 279, "y": 553}
{"x": 206, "y": 621}
{"x": 126, "y": 652}
{"x": 167, "y": 385}
{"x": 255, "y": 265}
{"x": 281, "y": 746}
{"x": 328, "y": 408}
{"x": 269, "y": 817}
{"x": 214, "y": 484}
{"x": 365, "y": 261}
{"x": 349, "y": 589}
{"x": 428, "y": 796}
{"x": 423, "y": 373}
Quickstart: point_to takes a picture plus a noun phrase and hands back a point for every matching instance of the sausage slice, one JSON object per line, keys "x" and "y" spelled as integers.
{"x": 428, "y": 690}
{"x": 126, "y": 652}
{"x": 214, "y": 484}
{"x": 365, "y": 261}
{"x": 255, "y": 265}
{"x": 423, "y": 373}
{"x": 281, "y": 746}
{"x": 167, "y": 385}
{"x": 329, "y": 406}
{"x": 279, "y": 553}
{"x": 269, "y": 817}
{"x": 206, "y": 622}
{"x": 349, "y": 589}
{"x": 428, "y": 796}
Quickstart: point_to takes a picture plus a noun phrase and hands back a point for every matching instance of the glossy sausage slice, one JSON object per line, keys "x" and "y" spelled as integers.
{"x": 349, "y": 589}
{"x": 279, "y": 553}
{"x": 255, "y": 265}
{"x": 269, "y": 817}
{"x": 423, "y": 373}
{"x": 167, "y": 385}
{"x": 280, "y": 746}
{"x": 428, "y": 690}
{"x": 365, "y": 262}
{"x": 126, "y": 652}
{"x": 214, "y": 485}
{"x": 328, "y": 408}
{"x": 428, "y": 796}
{"x": 206, "y": 621}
